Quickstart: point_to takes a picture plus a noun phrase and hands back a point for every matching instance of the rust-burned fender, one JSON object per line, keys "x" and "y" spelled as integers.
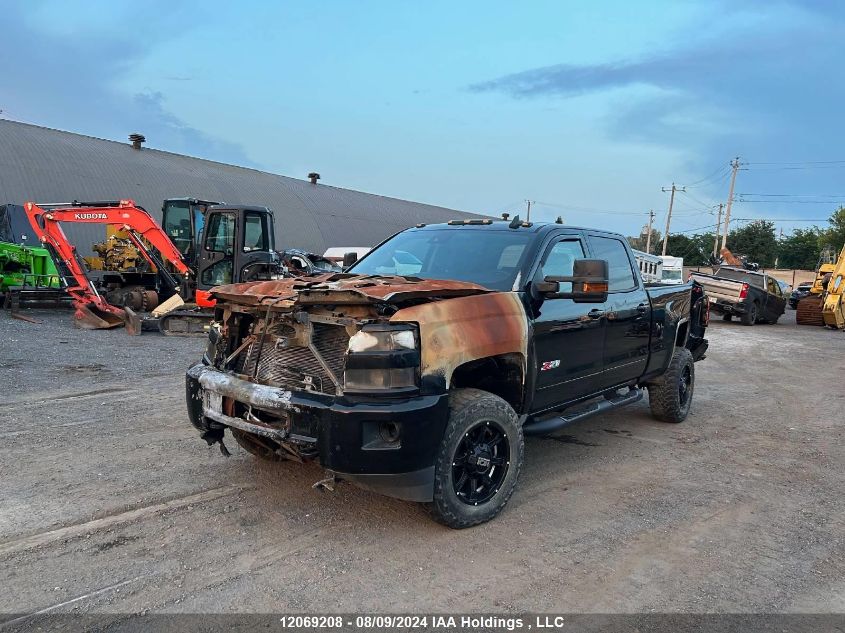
{"x": 459, "y": 330}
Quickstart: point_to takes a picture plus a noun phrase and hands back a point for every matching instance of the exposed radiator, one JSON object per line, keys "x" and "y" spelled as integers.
{"x": 297, "y": 367}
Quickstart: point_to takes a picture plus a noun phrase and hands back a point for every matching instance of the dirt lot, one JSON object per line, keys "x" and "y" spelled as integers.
{"x": 111, "y": 503}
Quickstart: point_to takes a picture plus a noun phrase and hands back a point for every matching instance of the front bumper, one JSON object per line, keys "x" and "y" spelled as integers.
{"x": 344, "y": 431}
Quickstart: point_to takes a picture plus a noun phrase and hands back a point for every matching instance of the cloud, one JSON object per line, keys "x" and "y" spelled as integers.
{"x": 768, "y": 94}
{"x": 71, "y": 81}
{"x": 694, "y": 70}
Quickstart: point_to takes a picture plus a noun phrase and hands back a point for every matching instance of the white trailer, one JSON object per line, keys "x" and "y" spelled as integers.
{"x": 673, "y": 269}
{"x": 651, "y": 267}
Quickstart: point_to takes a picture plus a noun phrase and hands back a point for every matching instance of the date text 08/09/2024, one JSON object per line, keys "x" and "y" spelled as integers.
{"x": 387, "y": 622}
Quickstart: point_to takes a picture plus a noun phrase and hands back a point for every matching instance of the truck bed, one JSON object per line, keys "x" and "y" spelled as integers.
{"x": 718, "y": 288}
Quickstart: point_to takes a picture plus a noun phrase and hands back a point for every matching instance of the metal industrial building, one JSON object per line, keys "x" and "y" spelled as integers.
{"x": 46, "y": 165}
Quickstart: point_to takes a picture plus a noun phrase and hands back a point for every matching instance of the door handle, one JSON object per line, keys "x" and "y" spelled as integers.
{"x": 595, "y": 313}
{"x": 642, "y": 308}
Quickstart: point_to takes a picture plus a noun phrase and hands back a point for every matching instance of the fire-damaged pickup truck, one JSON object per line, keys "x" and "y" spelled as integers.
{"x": 417, "y": 372}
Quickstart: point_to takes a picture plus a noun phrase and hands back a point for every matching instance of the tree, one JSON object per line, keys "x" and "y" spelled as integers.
{"x": 834, "y": 236}
{"x": 695, "y": 249}
{"x": 800, "y": 249}
{"x": 639, "y": 242}
{"x": 756, "y": 241}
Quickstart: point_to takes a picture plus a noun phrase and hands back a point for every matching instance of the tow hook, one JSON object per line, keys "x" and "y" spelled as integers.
{"x": 326, "y": 484}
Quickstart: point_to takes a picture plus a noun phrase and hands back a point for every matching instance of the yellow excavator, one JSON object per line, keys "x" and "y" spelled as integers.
{"x": 824, "y": 305}
{"x": 833, "y": 309}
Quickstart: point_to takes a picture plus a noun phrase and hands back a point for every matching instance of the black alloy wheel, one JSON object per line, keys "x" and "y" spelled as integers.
{"x": 685, "y": 386}
{"x": 481, "y": 463}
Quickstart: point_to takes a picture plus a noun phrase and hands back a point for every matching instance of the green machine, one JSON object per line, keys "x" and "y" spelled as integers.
{"x": 28, "y": 275}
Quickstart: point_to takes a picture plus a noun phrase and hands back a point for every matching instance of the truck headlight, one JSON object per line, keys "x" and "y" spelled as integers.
{"x": 383, "y": 358}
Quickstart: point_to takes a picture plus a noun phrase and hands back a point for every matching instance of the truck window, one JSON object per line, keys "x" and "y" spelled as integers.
{"x": 220, "y": 237}
{"x": 620, "y": 273}
{"x": 560, "y": 260}
{"x": 255, "y": 232}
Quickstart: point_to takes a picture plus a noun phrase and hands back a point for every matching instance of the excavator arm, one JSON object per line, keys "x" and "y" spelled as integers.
{"x": 92, "y": 310}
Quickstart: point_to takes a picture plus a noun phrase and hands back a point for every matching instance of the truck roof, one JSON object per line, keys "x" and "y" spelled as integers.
{"x": 490, "y": 224}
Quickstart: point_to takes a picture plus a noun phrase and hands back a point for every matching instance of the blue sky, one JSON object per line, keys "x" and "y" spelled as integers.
{"x": 586, "y": 108}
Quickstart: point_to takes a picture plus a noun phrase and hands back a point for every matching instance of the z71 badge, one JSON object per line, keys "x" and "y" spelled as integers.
{"x": 550, "y": 364}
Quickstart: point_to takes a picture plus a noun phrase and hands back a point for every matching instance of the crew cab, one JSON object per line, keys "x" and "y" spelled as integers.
{"x": 422, "y": 385}
{"x": 752, "y": 296}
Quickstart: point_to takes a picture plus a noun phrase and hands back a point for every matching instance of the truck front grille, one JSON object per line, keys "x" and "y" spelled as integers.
{"x": 298, "y": 367}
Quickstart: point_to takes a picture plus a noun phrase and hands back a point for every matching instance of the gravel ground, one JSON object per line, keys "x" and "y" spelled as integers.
{"x": 112, "y": 504}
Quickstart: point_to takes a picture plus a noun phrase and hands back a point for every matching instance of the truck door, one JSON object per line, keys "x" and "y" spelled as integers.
{"x": 255, "y": 246}
{"x": 627, "y": 313}
{"x": 568, "y": 337}
{"x": 775, "y": 301}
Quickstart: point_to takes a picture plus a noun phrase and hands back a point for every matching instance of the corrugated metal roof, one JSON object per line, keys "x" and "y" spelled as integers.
{"x": 47, "y": 165}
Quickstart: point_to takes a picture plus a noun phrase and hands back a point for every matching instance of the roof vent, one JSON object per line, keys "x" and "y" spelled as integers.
{"x": 313, "y": 177}
{"x": 136, "y": 140}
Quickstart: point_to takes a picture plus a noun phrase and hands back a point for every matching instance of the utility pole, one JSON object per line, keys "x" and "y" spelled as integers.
{"x": 718, "y": 230}
{"x": 528, "y": 213}
{"x": 669, "y": 215}
{"x": 648, "y": 236}
{"x": 735, "y": 165}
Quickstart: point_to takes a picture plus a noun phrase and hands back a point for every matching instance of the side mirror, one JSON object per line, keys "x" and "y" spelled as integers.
{"x": 349, "y": 258}
{"x": 589, "y": 283}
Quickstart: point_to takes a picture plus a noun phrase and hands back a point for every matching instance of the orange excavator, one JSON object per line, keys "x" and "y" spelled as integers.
{"x": 92, "y": 309}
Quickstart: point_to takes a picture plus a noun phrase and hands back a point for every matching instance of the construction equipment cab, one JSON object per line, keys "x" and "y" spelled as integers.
{"x": 183, "y": 220}
{"x": 237, "y": 246}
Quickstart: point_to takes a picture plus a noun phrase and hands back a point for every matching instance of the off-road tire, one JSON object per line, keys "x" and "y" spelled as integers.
{"x": 256, "y": 445}
{"x": 468, "y": 409}
{"x": 666, "y": 396}
{"x": 727, "y": 316}
{"x": 751, "y": 315}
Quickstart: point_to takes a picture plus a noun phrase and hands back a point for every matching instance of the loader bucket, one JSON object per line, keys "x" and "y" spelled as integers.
{"x": 133, "y": 322}
{"x": 89, "y": 317}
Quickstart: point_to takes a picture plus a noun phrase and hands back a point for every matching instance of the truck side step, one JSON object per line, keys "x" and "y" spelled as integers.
{"x": 545, "y": 426}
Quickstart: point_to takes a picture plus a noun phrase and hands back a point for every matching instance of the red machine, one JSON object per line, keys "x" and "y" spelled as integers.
{"x": 92, "y": 310}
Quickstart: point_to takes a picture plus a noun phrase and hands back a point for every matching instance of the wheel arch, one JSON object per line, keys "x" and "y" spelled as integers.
{"x": 502, "y": 375}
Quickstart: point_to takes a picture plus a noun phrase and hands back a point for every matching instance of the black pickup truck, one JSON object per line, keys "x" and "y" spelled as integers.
{"x": 752, "y": 296}
{"x": 418, "y": 372}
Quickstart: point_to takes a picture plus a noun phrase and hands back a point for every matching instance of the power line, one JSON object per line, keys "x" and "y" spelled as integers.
{"x": 827, "y": 202}
{"x": 778, "y": 220}
{"x": 794, "y": 195}
{"x": 720, "y": 174}
{"x": 799, "y": 167}
{"x": 571, "y": 207}
{"x": 801, "y": 162}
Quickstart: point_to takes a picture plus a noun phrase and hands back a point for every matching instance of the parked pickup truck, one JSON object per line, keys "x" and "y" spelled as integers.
{"x": 422, "y": 386}
{"x": 752, "y": 296}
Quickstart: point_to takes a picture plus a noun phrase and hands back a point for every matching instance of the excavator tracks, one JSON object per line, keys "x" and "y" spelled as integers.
{"x": 809, "y": 311}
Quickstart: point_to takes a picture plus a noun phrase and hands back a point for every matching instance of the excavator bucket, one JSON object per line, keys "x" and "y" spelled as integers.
{"x": 133, "y": 322}
{"x": 168, "y": 306}
{"x": 90, "y": 317}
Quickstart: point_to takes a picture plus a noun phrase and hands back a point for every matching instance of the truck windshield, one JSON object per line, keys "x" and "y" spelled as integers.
{"x": 488, "y": 258}
{"x": 672, "y": 274}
